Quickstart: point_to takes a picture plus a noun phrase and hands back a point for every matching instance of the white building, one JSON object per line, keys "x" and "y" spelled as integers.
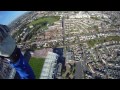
{"x": 69, "y": 56}
{"x": 49, "y": 66}
{"x": 80, "y": 15}
{"x": 31, "y": 26}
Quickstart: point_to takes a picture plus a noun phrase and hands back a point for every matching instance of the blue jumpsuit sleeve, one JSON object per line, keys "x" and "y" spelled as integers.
{"x": 23, "y": 68}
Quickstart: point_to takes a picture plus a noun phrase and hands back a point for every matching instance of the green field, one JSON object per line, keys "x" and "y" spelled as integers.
{"x": 37, "y": 64}
{"x": 41, "y": 24}
{"x": 44, "y": 20}
{"x": 92, "y": 42}
{"x": 94, "y": 17}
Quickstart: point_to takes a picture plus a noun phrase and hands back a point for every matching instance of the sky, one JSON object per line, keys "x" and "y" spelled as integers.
{"x": 8, "y": 16}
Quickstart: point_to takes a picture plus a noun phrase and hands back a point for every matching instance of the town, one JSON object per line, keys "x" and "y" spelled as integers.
{"x": 75, "y": 44}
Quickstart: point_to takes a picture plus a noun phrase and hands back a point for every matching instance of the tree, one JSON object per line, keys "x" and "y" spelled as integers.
{"x": 19, "y": 40}
{"x": 96, "y": 27}
{"x": 44, "y": 23}
{"x": 33, "y": 47}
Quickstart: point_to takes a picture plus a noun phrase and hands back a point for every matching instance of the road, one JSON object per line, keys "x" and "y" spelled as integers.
{"x": 79, "y": 70}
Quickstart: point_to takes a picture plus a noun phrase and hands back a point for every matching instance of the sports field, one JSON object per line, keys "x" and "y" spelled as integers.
{"x": 37, "y": 64}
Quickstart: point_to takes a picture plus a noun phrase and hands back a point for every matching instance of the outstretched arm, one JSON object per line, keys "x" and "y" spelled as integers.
{"x": 21, "y": 65}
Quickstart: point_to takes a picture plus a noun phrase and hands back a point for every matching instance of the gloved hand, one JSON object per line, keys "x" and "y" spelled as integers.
{"x": 21, "y": 65}
{"x": 15, "y": 55}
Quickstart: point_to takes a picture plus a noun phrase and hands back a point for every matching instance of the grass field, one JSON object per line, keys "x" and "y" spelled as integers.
{"x": 41, "y": 24}
{"x": 36, "y": 64}
{"x": 92, "y": 42}
{"x": 47, "y": 19}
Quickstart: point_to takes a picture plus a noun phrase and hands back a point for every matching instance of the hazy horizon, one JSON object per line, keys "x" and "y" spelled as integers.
{"x": 6, "y": 17}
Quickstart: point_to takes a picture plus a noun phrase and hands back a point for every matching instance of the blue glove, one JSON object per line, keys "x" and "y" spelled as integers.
{"x": 23, "y": 68}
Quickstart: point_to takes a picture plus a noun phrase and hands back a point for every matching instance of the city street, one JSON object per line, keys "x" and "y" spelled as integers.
{"x": 79, "y": 70}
